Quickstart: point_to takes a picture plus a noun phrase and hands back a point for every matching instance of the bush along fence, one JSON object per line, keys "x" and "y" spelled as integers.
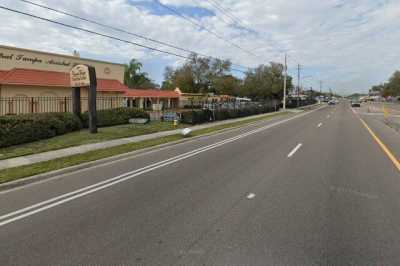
{"x": 19, "y": 129}
{"x": 293, "y": 103}
{"x": 222, "y": 113}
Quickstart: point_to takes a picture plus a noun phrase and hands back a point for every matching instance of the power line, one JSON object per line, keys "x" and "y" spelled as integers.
{"x": 121, "y": 30}
{"x": 219, "y": 18}
{"x": 226, "y": 13}
{"x": 100, "y": 34}
{"x": 222, "y": 11}
{"x": 203, "y": 27}
{"x": 241, "y": 24}
{"x": 225, "y": 10}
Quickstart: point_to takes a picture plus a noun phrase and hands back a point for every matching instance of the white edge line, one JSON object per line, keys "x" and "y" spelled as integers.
{"x": 53, "y": 202}
{"x": 136, "y": 154}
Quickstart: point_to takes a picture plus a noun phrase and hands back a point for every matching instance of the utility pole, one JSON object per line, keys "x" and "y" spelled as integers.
{"x": 320, "y": 87}
{"x": 320, "y": 91}
{"x": 298, "y": 85}
{"x": 285, "y": 84}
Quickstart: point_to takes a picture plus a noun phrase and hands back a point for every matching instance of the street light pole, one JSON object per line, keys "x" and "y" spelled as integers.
{"x": 298, "y": 85}
{"x": 285, "y": 84}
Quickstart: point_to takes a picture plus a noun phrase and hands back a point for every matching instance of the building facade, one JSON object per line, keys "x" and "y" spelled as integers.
{"x": 34, "y": 81}
{"x": 28, "y": 73}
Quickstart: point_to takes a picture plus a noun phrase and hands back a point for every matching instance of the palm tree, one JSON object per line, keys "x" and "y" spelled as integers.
{"x": 133, "y": 78}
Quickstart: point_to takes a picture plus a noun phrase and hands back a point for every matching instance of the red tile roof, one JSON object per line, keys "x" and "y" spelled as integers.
{"x": 20, "y": 76}
{"x": 110, "y": 85}
{"x": 31, "y": 77}
{"x": 2, "y": 73}
{"x": 151, "y": 93}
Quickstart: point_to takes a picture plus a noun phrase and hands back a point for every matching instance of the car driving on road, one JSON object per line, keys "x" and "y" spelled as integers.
{"x": 355, "y": 103}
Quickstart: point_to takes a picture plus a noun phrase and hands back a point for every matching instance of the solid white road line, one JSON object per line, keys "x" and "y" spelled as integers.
{"x": 64, "y": 198}
{"x": 319, "y": 125}
{"x": 295, "y": 150}
{"x": 251, "y": 196}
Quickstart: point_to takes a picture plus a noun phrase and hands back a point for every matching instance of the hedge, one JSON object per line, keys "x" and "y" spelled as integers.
{"x": 293, "y": 103}
{"x": 203, "y": 116}
{"x": 196, "y": 117}
{"x": 112, "y": 117}
{"x": 18, "y": 129}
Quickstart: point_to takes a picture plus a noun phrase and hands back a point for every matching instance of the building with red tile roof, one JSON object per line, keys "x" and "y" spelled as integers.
{"x": 41, "y": 78}
{"x": 34, "y": 74}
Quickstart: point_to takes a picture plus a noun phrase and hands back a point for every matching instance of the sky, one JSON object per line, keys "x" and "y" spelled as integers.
{"x": 348, "y": 44}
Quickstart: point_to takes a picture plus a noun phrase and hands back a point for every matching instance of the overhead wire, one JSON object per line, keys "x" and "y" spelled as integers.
{"x": 101, "y": 34}
{"x": 195, "y": 23}
{"x": 123, "y": 31}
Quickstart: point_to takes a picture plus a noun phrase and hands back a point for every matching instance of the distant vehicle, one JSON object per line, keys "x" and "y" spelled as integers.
{"x": 242, "y": 100}
{"x": 332, "y": 102}
{"x": 355, "y": 103}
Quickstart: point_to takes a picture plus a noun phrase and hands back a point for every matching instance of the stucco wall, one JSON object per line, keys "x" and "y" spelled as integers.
{"x": 11, "y": 57}
{"x": 36, "y": 91}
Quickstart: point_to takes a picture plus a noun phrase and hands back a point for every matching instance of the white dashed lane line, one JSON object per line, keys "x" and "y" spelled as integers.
{"x": 251, "y": 196}
{"x": 295, "y": 150}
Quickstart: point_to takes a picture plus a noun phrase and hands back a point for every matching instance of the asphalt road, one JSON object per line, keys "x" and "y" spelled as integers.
{"x": 306, "y": 189}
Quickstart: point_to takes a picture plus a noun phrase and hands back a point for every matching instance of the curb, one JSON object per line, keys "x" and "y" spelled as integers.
{"x": 68, "y": 170}
{"x": 75, "y": 150}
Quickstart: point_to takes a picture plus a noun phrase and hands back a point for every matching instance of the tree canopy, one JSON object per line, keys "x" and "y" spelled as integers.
{"x": 390, "y": 88}
{"x": 134, "y": 78}
{"x": 205, "y": 75}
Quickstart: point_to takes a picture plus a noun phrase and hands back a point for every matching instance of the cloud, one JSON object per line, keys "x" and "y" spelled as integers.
{"x": 351, "y": 45}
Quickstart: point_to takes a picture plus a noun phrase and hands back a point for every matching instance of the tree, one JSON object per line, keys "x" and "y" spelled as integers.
{"x": 390, "y": 88}
{"x": 265, "y": 82}
{"x": 226, "y": 85}
{"x": 197, "y": 75}
{"x": 134, "y": 78}
{"x": 207, "y": 75}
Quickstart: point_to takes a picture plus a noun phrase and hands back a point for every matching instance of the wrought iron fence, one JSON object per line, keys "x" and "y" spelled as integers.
{"x": 30, "y": 105}
{"x": 231, "y": 105}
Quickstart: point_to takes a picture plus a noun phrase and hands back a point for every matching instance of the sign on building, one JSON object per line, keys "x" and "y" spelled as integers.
{"x": 80, "y": 76}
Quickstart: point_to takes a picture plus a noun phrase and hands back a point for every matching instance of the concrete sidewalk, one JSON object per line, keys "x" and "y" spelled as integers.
{"x": 51, "y": 155}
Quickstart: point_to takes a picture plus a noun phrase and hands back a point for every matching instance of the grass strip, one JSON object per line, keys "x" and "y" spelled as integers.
{"x": 16, "y": 173}
{"x": 84, "y": 137}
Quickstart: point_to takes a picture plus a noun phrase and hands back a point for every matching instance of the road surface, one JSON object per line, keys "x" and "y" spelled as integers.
{"x": 306, "y": 189}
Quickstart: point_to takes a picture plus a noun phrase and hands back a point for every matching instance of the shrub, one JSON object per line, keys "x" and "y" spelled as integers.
{"x": 196, "y": 117}
{"x": 112, "y": 117}
{"x": 18, "y": 129}
{"x": 202, "y": 116}
{"x": 192, "y": 107}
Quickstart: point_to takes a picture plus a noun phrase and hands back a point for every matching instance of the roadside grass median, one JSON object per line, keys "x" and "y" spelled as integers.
{"x": 84, "y": 137}
{"x": 11, "y": 174}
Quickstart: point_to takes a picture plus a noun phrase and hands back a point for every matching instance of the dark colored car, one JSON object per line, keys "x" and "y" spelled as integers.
{"x": 355, "y": 103}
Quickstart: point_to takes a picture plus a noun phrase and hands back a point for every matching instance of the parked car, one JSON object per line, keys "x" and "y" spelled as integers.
{"x": 355, "y": 103}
